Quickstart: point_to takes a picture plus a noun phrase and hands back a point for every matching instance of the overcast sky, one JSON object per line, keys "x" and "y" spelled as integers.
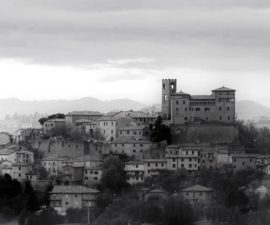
{"x": 51, "y": 49}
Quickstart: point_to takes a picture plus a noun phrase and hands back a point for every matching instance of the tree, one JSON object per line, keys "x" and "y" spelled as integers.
{"x": 177, "y": 212}
{"x": 161, "y": 132}
{"x": 113, "y": 176}
{"x": 43, "y": 120}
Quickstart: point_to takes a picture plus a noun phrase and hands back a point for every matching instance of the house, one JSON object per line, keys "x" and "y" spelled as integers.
{"x": 54, "y": 164}
{"x": 64, "y": 197}
{"x": 182, "y": 157}
{"x": 133, "y": 131}
{"x": 8, "y": 154}
{"x": 197, "y": 194}
{"x": 156, "y": 195}
{"x": 153, "y": 167}
{"x": 20, "y": 171}
{"x": 24, "y": 135}
{"x": 130, "y": 147}
{"x": 109, "y": 126}
{"x": 243, "y": 161}
{"x": 74, "y": 116}
{"x": 263, "y": 164}
{"x": 138, "y": 117}
{"x": 24, "y": 157}
{"x": 88, "y": 126}
{"x": 92, "y": 175}
{"x": 208, "y": 159}
{"x": 134, "y": 172}
{"x": 73, "y": 173}
{"x": 53, "y": 124}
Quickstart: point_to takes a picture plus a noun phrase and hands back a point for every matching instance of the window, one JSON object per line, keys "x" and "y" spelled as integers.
{"x": 219, "y": 108}
{"x": 184, "y": 102}
{"x": 134, "y": 150}
{"x": 165, "y": 97}
{"x": 176, "y": 102}
{"x": 243, "y": 163}
{"x": 229, "y": 118}
{"x": 228, "y": 108}
{"x": 173, "y": 166}
{"x": 220, "y": 118}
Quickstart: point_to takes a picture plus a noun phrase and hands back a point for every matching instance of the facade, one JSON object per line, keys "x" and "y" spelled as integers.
{"x": 138, "y": 117}
{"x": 73, "y": 173}
{"x": 183, "y": 108}
{"x": 134, "y": 172}
{"x": 244, "y": 161}
{"x": 75, "y": 196}
{"x": 197, "y": 194}
{"x": 153, "y": 167}
{"x": 53, "y": 124}
{"x": 179, "y": 157}
{"x": 92, "y": 175}
{"x": 136, "y": 132}
{"x": 130, "y": 147}
{"x": 74, "y": 116}
{"x": 88, "y": 126}
{"x": 263, "y": 164}
{"x": 54, "y": 164}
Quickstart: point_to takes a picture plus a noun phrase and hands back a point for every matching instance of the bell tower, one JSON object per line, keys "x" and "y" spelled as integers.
{"x": 168, "y": 88}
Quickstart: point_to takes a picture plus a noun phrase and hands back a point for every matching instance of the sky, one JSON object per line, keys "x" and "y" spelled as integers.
{"x": 108, "y": 49}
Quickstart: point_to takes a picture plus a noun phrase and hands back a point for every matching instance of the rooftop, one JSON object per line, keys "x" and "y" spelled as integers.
{"x": 223, "y": 89}
{"x": 197, "y": 188}
{"x": 202, "y": 97}
{"x": 7, "y": 151}
{"x": 73, "y": 189}
{"x": 84, "y": 113}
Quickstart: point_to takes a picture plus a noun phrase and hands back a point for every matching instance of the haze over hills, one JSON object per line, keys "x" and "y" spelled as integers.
{"x": 14, "y": 105}
{"x": 246, "y": 110}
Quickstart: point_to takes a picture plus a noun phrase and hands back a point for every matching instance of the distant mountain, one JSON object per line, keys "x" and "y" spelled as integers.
{"x": 14, "y": 105}
{"x": 251, "y": 110}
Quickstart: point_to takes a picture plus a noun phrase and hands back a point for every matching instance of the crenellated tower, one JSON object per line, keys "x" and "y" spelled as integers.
{"x": 168, "y": 88}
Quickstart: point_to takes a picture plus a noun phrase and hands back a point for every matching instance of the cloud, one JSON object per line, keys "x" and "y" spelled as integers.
{"x": 214, "y": 35}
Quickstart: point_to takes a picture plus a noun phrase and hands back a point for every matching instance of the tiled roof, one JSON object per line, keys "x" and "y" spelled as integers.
{"x": 7, "y": 151}
{"x": 129, "y": 140}
{"x": 84, "y": 121}
{"x": 245, "y": 155}
{"x": 181, "y": 93}
{"x": 108, "y": 118}
{"x": 55, "y": 120}
{"x": 73, "y": 189}
{"x": 84, "y": 113}
{"x": 197, "y": 188}
{"x": 223, "y": 89}
{"x": 202, "y": 97}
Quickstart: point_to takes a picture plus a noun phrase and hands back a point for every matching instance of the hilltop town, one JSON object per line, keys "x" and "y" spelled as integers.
{"x": 193, "y": 155}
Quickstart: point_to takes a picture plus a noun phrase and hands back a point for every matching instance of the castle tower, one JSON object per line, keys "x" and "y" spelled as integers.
{"x": 168, "y": 88}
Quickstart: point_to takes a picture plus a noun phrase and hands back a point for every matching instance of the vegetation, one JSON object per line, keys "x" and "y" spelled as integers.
{"x": 160, "y": 131}
{"x": 53, "y": 116}
{"x": 255, "y": 140}
{"x": 113, "y": 177}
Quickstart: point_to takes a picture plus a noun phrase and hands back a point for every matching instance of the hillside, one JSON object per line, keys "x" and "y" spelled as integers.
{"x": 14, "y": 105}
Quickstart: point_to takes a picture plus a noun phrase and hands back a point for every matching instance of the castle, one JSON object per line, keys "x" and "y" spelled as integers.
{"x": 182, "y": 108}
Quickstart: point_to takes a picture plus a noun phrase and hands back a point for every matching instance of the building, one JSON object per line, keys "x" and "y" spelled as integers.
{"x": 130, "y": 147}
{"x": 137, "y": 132}
{"x": 183, "y": 108}
{"x": 73, "y": 173}
{"x": 74, "y": 116}
{"x": 263, "y": 164}
{"x": 153, "y": 167}
{"x": 244, "y": 161}
{"x": 182, "y": 157}
{"x": 135, "y": 172}
{"x": 92, "y": 175}
{"x": 197, "y": 194}
{"x": 138, "y": 117}
{"x": 88, "y": 126}
{"x": 8, "y": 154}
{"x": 64, "y": 197}
{"x": 53, "y": 124}
{"x": 54, "y": 164}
